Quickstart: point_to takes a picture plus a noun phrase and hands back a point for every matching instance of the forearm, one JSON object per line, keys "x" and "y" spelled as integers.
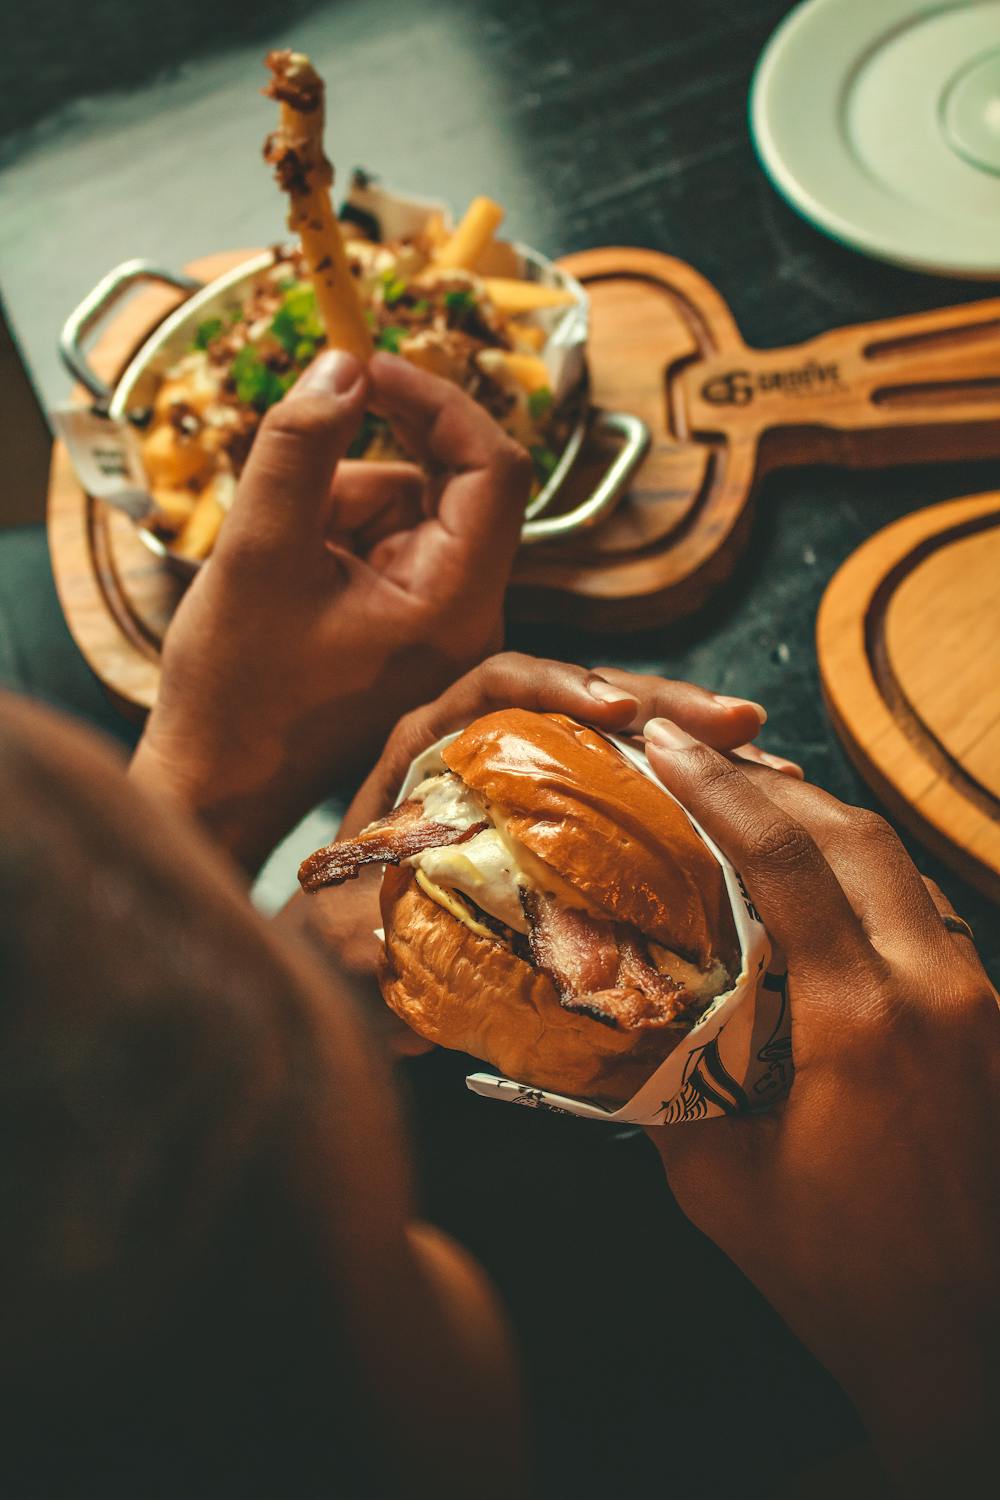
{"x": 930, "y": 1408}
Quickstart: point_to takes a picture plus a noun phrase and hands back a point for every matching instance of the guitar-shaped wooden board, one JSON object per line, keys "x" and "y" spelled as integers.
{"x": 665, "y": 346}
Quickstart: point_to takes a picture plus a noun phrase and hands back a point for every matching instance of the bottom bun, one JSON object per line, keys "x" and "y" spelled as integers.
{"x": 474, "y": 995}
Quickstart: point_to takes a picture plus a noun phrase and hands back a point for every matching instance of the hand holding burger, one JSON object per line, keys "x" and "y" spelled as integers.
{"x": 865, "y": 1206}
{"x": 552, "y": 912}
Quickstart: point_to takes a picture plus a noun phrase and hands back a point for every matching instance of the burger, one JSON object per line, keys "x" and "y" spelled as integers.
{"x": 546, "y": 907}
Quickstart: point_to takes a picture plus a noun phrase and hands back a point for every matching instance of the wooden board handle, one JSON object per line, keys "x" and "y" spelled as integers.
{"x": 902, "y": 390}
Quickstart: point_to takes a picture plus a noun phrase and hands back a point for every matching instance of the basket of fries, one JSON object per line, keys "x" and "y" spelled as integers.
{"x": 392, "y": 272}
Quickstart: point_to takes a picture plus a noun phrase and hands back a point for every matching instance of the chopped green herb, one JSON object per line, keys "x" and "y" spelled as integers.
{"x": 422, "y": 308}
{"x": 304, "y": 351}
{"x": 460, "y": 302}
{"x": 393, "y": 287}
{"x": 297, "y": 318}
{"x": 390, "y": 338}
{"x": 206, "y": 332}
{"x": 540, "y": 403}
{"x": 544, "y": 461}
{"x": 256, "y": 383}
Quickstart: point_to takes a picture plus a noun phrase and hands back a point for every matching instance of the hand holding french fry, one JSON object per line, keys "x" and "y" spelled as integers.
{"x": 340, "y": 595}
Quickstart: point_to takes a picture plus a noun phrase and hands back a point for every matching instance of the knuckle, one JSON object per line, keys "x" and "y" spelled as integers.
{"x": 410, "y": 733}
{"x": 294, "y": 421}
{"x": 713, "y": 773}
{"x": 285, "y": 419}
{"x": 500, "y": 673}
{"x": 781, "y": 845}
{"x": 870, "y": 826}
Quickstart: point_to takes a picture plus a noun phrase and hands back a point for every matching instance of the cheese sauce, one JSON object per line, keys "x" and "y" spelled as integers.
{"x": 485, "y": 868}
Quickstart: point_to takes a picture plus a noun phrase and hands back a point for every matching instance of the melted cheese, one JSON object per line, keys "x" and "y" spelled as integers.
{"x": 482, "y": 869}
{"x": 704, "y": 984}
{"x": 486, "y": 868}
{"x": 453, "y": 906}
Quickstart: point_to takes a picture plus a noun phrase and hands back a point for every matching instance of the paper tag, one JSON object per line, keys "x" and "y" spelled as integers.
{"x": 106, "y": 457}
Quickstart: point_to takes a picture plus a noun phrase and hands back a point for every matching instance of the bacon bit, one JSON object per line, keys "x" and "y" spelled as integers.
{"x": 297, "y": 86}
{"x": 600, "y": 969}
{"x": 289, "y": 169}
{"x": 637, "y": 971}
{"x": 402, "y": 833}
{"x": 183, "y": 418}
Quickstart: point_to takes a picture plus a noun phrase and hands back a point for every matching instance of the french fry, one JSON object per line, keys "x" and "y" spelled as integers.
{"x": 434, "y": 231}
{"x": 171, "y": 460}
{"x": 173, "y": 507}
{"x": 527, "y": 369}
{"x": 510, "y": 296}
{"x": 295, "y": 150}
{"x": 460, "y": 253}
{"x": 528, "y": 334}
{"x": 499, "y": 259}
{"x": 197, "y": 536}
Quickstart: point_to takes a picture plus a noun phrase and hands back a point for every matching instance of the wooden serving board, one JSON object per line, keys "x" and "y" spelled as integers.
{"x": 665, "y": 347}
{"x": 908, "y": 638}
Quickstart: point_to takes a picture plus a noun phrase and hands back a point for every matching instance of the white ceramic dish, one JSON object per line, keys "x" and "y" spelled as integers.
{"x": 879, "y": 121}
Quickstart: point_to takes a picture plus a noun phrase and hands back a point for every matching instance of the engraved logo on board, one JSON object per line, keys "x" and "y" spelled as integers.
{"x": 740, "y": 387}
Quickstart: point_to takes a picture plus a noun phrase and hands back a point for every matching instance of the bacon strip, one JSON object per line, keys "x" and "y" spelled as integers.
{"x": 577, "y": 952}
{"x": 402, "y": 833}
{"x": 601, "y": 969}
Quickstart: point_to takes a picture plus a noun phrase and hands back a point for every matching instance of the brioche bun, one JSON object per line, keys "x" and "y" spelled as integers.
{"x": 577, "y": 804}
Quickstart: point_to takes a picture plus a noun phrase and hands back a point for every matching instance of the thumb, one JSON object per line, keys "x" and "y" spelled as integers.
{"x": 284, "y": 490}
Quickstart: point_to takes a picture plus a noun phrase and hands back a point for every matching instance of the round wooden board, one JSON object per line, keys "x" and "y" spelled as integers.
{"x": 908, "y": 639}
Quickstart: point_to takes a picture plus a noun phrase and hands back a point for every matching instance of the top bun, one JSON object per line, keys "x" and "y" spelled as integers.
{"x": 576, "y": 803}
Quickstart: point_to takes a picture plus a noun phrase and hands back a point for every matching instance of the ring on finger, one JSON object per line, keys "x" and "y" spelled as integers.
{"x": 958, "y": 924}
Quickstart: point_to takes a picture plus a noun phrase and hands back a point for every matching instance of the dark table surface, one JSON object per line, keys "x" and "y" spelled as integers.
{"x": 594, "y": 124}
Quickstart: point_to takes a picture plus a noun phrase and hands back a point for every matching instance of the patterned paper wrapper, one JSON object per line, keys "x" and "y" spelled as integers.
{"x": 736, "y": 1059}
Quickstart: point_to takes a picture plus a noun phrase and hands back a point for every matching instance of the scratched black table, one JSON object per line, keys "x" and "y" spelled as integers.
{"x": 595, "y": 124}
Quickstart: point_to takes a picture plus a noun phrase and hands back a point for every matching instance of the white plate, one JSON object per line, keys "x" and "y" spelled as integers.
{"x": 879, "y": 120}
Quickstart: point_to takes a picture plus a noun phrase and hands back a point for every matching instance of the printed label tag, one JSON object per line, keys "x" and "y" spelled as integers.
{"x": 105, "y": 455}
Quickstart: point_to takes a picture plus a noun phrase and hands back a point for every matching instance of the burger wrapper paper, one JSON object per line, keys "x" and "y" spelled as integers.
{"x": 736, "y": 1059}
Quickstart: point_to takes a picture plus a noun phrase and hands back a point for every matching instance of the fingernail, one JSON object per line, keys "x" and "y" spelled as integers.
{"x": 333, "y": 373}
{"x": 606, "y": 692}
{"x": 776, "y": 762}
{"x": 727, "y": 702}
{"x": 666, "y": 735}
